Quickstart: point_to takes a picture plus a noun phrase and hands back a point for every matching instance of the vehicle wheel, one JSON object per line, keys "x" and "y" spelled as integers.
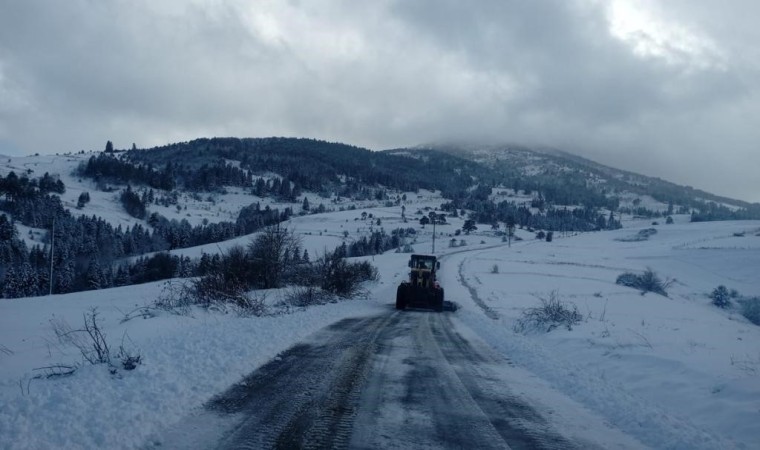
{"x": 439, "y": 300}
{"x": 401, "y": 297}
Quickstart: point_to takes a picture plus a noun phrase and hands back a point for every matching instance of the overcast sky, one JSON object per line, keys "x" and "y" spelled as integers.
{"x": 666, "y": 88}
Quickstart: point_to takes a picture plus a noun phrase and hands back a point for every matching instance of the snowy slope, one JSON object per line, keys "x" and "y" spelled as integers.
{"x": 670, "y": 372}
{"x": 675, "y": 372}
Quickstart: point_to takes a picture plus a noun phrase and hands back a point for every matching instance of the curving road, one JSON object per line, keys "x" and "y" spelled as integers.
{"x": 398, "y": 380}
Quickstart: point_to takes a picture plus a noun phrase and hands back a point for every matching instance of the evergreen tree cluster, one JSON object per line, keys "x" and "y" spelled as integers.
{"x": 87, "y": 247}
{"x": 376, "y": 243}
{"x": 207, "y": 177}
{"x": 133, "y": 204}
{"x": 105, "y": 168}
{"x": 711, "y": 211}
{"x": 551, "y": 218}
{"x": 320, "y": 166}
{"x": 86, "y": 250}
{"x": 283, "y": 190}
{"x": 14, "y": 187}
{"x": 84, "y": 198}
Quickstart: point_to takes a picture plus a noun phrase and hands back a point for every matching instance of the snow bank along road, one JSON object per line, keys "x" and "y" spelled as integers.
{"x": 403, "y": 379}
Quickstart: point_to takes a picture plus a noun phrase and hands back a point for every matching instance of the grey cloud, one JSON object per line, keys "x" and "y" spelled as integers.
{"x": 381, "y": 74}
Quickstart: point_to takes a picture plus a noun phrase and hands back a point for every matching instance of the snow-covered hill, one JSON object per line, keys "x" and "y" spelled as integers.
{"x": 669, "y": 372}
{"x": 540, "y": 162}
{"x": 196, "y": 208}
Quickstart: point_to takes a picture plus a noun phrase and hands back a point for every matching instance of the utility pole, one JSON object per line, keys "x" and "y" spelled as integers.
{"x": 434, "y": 219}
{"x": 52, "y": 245}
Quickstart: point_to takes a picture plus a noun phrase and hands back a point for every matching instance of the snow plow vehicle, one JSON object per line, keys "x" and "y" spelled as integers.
{"x": 422, "y": 289}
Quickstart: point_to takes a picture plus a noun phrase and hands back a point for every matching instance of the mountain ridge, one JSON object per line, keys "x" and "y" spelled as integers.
{"x": 511, "y": 152}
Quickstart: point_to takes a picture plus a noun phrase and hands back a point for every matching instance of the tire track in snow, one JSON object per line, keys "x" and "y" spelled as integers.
{"x": 474, "y": 293}
{"x": 405, "y": 379}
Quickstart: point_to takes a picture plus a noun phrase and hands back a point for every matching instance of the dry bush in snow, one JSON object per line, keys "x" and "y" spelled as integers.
{"x": 551, "y": 314}
{"x": 648, "y": 281}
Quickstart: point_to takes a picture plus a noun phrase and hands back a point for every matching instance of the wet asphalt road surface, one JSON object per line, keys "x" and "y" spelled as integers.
{"x": 399, "y": 380}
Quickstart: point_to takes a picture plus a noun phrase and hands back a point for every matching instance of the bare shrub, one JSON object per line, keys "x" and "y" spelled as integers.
{"x": 129, "y": 357}
{"x": 92, "y": 345}
{"x": 250, "y": 304}
{"x": 551, "y": 314}
{"x": 145, "y": 312}
{"x": 628, "y": 279}
{"x": 175, "y": 297}
{"x": 130, "y": 361}
{"x": 54, "y": 371}
{"x": 267, "y": 258}
{"x": 302, "y": 296}
{"x": 651, "y": 282}
{"x": 217, "y": 287}
{"x": 90, "y": 340}
{"x": 648, "y": 281}
{"x": 342, "y": 278}
{"x": 495, "y": 269}
{"x": 215, "y": 292}
{"x": 642, "y": 235}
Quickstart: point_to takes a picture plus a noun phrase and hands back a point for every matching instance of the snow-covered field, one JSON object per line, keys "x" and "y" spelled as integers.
{"x": 674, "y": 372}
{"x": 670, "y": 372}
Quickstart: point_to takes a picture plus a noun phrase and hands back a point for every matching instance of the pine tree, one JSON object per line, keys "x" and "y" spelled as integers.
{"x": 20, "y": 282}
{"x": 469, "y": 226}
{"x": 11, "y": 283}
{"x": 84, "y": 198}
{"x": 122, "y": 276}
{"x": 94, "y": 277}
{"x": 64, "y": 274}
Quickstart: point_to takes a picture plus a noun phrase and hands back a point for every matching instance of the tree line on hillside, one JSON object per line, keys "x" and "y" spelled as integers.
{"x": 546, "y": 217}
{"x": 214, "y": 176}
{"x": 320, "y": 166}
{"x": 85, "y": 247}
{"x": 571, "y": 180}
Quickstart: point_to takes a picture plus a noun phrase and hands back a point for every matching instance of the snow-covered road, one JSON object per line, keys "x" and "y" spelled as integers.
{"x": 398, "y": 380}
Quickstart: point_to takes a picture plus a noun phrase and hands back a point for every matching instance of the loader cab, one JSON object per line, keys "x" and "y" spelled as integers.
{"x": 424, "y": 262}
{"x": 423, "y": 271}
